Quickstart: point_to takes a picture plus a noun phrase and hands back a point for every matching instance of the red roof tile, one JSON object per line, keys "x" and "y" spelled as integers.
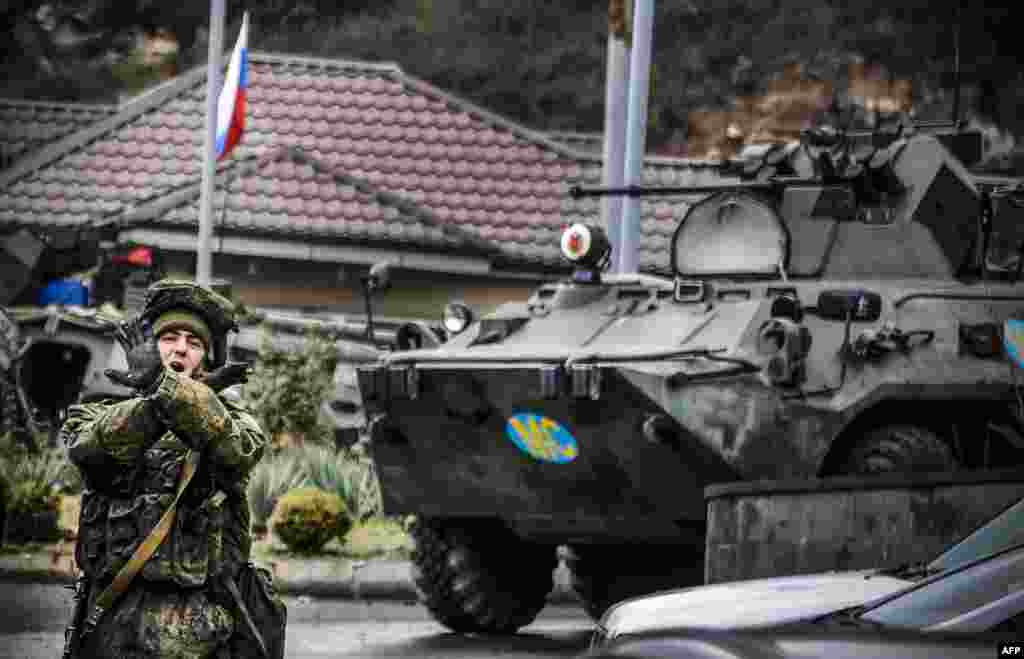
{"x": 26, "y": 126}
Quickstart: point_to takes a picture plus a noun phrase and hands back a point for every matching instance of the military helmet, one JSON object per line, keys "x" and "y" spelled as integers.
{"x": 216, "y": 310}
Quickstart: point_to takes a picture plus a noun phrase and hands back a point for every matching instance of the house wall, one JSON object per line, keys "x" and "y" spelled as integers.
{"x": 311, "y": 286}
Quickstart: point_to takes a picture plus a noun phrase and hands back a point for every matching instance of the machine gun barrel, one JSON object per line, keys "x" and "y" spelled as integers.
{"x": 578, "y": 191}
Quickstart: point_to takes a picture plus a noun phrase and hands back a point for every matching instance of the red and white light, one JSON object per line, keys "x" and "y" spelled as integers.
{"x": 576, "y": 242}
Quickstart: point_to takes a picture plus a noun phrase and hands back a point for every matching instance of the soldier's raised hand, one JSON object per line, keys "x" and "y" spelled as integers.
{"x": 130, "y": 334}
{"x": 144, "y": 362}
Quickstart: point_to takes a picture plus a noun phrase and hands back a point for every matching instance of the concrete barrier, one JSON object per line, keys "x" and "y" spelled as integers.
{"x": 774, "y": 528}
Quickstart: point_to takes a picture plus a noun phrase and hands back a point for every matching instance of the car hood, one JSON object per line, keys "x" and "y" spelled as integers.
{"x": 749, "y": 604}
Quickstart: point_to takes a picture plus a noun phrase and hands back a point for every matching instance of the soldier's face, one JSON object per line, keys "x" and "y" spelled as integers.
{"x": 181, "y": 351}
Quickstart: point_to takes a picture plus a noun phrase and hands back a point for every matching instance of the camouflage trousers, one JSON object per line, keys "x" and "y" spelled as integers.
{"x": 160, "y": 622}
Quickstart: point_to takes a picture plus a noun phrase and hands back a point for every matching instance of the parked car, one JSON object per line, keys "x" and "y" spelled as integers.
{"x": 780, "y": 601}
{"x": 703, "y": 644}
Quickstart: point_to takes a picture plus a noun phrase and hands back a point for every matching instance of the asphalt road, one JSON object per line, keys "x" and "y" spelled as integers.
{"x": 32, "y": 618}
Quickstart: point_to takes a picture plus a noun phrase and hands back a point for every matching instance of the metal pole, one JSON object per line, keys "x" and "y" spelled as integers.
{"x": 636, "y": 132}
{"x": 203, "y": 259}
{"x": 616, "y": 84}
{"x": 957, "y": 17}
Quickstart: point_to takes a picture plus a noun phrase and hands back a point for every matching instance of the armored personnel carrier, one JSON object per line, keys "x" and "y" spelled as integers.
{"x": 51, "y": 355}
{"x": 846, "y": 306}
{"x": 58, "y": 356}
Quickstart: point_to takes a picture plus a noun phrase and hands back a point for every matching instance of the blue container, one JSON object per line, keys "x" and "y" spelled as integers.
{"x": 65, "y": 292}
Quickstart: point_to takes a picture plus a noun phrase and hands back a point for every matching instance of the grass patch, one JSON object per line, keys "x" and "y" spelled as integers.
{"x": 378, "y": 538}
{"x": 12, "y": 549}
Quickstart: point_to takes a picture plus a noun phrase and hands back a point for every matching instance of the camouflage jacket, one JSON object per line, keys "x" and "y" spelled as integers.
{"x": 131, "y": 454}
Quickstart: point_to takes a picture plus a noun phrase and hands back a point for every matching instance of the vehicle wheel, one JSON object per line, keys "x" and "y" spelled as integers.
{"x": 900, "y": 449}
{"x": 478, "y": 576}
{"x": 605, "y": 574}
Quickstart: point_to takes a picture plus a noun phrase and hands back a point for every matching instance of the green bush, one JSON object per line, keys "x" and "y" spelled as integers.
{"x": 272, "y": 477}
{"x": 5, "y": 493}
{"x": 32, "y": 513}
{"x": 48, "y": 466}
{"x": 32, "y": 497}
{"x": 307, "y": 518}
{"x": 287, "y": 387}
{"x": 349, "y": 473}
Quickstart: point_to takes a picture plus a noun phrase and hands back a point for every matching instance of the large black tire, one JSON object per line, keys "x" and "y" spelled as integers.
{"x": 605, "y": 574}
{"x": 900, "y": 449}
{"x": 478, "y": 577}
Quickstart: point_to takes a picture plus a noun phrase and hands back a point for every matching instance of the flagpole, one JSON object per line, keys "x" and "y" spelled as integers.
{"x": 616, "y": 88}
{"x": 203, "y": 258}
{"x": 636, "y": 133}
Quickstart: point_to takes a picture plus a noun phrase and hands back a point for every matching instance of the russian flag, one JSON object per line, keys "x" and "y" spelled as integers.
{"x": 231, "y": 104}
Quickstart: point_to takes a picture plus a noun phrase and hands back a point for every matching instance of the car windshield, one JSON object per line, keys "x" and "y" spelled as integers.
{"x": 955, "y": 596}
{"x": 1003, "y": 531}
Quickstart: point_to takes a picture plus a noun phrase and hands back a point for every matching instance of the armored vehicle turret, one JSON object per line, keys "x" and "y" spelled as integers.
{"x": 846, "y": 306}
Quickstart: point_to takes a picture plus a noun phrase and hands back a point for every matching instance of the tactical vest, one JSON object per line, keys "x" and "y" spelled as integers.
{"x": 114, "y": 523}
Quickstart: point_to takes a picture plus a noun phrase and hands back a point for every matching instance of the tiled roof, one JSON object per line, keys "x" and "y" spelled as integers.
{"x": 451, "y": 160}
{"x": 26, "y": 126}
{"x": 287, "y": 193}
{"x": 592, "y": 143}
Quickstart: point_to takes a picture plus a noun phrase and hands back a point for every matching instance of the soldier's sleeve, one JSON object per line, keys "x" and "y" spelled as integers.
{"x": 229, "y": 437}
{"x": 105, "y": 440}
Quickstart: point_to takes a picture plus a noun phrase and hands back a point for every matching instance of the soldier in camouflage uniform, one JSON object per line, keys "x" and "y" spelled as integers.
{"x": 131, "y": 455}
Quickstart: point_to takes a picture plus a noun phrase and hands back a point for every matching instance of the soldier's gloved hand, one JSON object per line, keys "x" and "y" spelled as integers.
{"x": 144, "y": 363}
{"x": 130, "y": 334}
{"x": 228, "y": 375}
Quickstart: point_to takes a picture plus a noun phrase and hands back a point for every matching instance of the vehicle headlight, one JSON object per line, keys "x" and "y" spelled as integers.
{"x": 586, "y": 245}
{"x": 457, "y": 317}
{"x": 786, "y": 344}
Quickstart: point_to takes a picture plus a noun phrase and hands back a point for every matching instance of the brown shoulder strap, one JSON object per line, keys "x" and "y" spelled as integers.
{"x": 143, "y": 552}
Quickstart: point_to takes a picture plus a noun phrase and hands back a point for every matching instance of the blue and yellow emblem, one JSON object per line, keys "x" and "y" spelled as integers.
{"x": 541, "y": 438}
{"x": 1013, "y": 340}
